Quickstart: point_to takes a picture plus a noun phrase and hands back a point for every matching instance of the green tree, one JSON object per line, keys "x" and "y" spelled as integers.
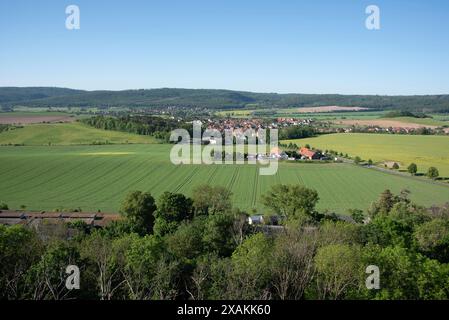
{"x": 433, "y": 173}
{"x": 20, "y": 248}
{"x": 386, "y": 230}
{"x": 172, "y": 209}
{"x": 357, "y": 160}
{"x": 209, "y": 279}
{"x": 291, "y": 201}
{"x": 218, "y": 234}
{"x": 3, "y": 206}
{"x": 138, "y": 208}
{"x": 432, "y": 281}
{"x": 400, "y": 269}
{"x": 106, "y": 255}
{"x": 432, "y": 238}
{"x": 251, "y": 265}
{"x": 338, "y": 232}
{"x": 292, "y": 267}
{"x": 211, "y": 199}
{"x": 140, "y": 265}
{"x": 338, "y": 269}
{"x": 412, "y": 169}
{"x": 48, "y": 276}
{"x": 187, "y": 241}
{"x": 357, "y": 215}
{"x": 395, "y": 166}
{"x": 383, "y": 205}
{"x": 370, "y": 162}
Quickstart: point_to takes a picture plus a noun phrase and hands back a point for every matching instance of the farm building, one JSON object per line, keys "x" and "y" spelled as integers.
{"x": 97, "y": 220}
{"x": 260, "y": 219}
{"x": 254, "y": 220}
{"x": 278, "y": 153}
{"x": 309, "y": 154}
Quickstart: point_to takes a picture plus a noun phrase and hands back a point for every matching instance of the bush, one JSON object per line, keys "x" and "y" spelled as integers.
{"x": 412, "y": 169}
{"x": 433, "y": 173}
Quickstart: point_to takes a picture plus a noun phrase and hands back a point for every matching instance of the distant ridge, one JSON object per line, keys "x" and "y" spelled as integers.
{"x": 210, "y": 98}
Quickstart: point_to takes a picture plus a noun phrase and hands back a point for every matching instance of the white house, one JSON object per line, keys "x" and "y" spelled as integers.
{"x": 254, "y": 220}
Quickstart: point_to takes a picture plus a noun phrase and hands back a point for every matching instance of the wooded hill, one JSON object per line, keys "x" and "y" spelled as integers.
{"x": 214, "y": 99}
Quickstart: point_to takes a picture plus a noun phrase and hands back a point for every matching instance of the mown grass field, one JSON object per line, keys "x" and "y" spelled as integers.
{"x": 67, "y": 134}
{"x": 425, "y": 151}
{"x": 98, "y": 178}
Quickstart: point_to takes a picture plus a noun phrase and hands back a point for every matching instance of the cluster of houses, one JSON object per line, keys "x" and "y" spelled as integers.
{"x": 253, "y": 123}
{"x": 235, "y": 124}
{"x": 277, "y": 153}
{"x": 287, "y": 122}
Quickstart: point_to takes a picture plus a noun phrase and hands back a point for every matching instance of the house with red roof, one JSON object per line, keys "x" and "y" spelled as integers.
{"x": 306, "y": 153}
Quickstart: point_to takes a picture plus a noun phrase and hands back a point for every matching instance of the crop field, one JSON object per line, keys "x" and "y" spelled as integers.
{"x": 67, "y": 134}
{"x": 425, "y": 151}
{"x": 34, "y": 117}
{"x": 431, "y": 122}
{"x": 98, "y": 177}
{"x": 302, "y": 113}
{"x": 348, "y": 117}
{"x": 401, "y": 122}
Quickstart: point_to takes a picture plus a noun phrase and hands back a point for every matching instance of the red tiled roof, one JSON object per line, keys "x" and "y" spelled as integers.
{"x": 306, "y": 152}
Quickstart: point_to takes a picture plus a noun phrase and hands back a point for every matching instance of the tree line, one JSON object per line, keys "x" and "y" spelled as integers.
{"x": 157, "y": 127}
{"x": 214, "y": 99}
{"x": 201, "y": 247}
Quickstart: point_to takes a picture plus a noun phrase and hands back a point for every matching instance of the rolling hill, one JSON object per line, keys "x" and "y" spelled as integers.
{"x": 68, "y": 134}
{"x": 210, "y": 98}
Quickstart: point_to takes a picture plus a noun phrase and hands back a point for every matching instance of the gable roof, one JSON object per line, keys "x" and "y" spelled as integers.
{"x": 306, "y": 152}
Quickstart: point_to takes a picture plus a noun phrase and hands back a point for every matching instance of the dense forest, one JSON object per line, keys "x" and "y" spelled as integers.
{"x": 15, "y": 94}
{"x": 213, "y": 99}
{"x": 201, "y": 247}
{"x": 157, "y": 127}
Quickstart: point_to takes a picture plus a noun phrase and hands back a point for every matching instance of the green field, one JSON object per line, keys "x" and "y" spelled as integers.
{"x": 437, "y": 120}
{"x": 67, "y": 134}
{"x": 424, "y": 121}
{"x": 294, "y": 113}
{"x": 425, "y": 151}
{"x": 98, "y": 177}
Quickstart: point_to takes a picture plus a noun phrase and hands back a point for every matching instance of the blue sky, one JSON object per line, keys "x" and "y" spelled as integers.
{"x": 319, "y": 46}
